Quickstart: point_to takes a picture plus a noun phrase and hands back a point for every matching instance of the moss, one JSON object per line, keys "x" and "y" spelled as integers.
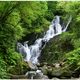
{"x": 19, "y": 69}
{"x": 56, "y": 48}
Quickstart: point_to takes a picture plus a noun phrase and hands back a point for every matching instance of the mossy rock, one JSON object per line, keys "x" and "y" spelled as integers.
{"x": 44, "y": 69}
{"x": 56, "y": 48}
{"x": 19, "y": 69}
{"x": 59, "y": 73}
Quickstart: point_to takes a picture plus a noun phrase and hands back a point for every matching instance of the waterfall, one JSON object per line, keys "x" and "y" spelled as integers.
{"x": 32, "y": 52}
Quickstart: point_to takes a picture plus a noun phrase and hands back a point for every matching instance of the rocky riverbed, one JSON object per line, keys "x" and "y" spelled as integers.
{"x": 48, "y": 71}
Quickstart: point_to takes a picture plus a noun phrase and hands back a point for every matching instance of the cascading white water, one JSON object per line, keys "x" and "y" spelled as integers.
{"x": 27, "y": 50}
{"x": 54, "y": 29}
{"x": 33, "y": 52}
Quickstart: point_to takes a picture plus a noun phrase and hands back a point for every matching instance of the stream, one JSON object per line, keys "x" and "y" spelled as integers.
{"x": 33, "y": 51}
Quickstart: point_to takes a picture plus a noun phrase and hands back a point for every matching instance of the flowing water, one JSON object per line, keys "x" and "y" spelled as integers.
{"x": 32, "y": 52}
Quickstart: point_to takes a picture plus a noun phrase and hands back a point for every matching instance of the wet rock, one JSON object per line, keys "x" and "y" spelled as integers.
{"x": 36, "y": 75}
{"x": 57, "y": 65}
{"x": 56, "y": 73}
{"x": 55, "y": 78}
{"x": 30, "y": 74}
{"x": 40, "y": 75}
{"x": 32, "y": 66}
{"x": 44, "y": 69}
{"x": 49, "y": 67}
{"x": 45, "y": 63}
{"x": 59, "y": 73}
{"x": 41, "y": 64}
{"x": 38, "y": 64}
{"x": 66, "y": 74}
{"x": 45, "y": 77}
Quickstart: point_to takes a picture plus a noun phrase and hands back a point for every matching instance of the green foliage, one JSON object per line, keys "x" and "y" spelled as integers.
{"x": 10, "y": 26}
{"x": 12, "y": 57}
{"x": 32, "y": 14}
{"x": 20, "y": 68}
{"x": 3, "y": 68}
{"x": 57, "y": 47}
{"x": 73, "y": 56}
{"x": 51, "y": 10}
{"x": 22, "y": 19}
{"x": 76, "y": 43}
{"x": 73, "y": 59}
